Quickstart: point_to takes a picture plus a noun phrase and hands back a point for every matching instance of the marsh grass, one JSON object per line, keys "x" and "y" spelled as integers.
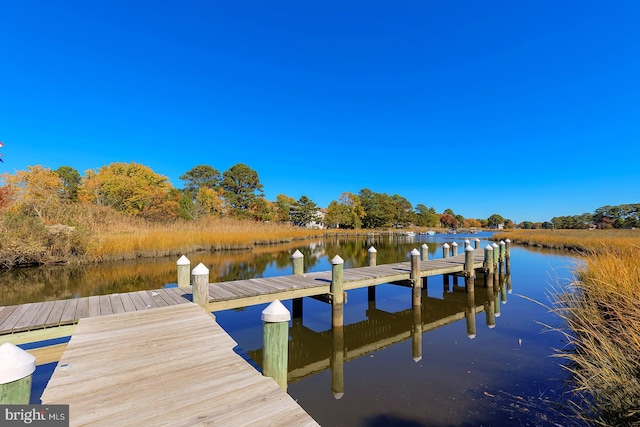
{"x": 587, "y": 241}
{"x": 153, "y": 240}
{"x": 601, "y": 309}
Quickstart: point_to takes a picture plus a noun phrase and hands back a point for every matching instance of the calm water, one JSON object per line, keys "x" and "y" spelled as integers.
{"x": 390, "y": 364}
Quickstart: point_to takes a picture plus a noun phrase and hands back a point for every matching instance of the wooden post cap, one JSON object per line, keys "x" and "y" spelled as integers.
{"x": 276, "y": 312}
{"x": 372, "y": 249}
{"x": 446, "y": 245}
{"x": 297, "y": 254}
{"x": 183, "y": 260}
{"x": 488, "y": 248}
{"x": 337, "y": 260}
{"x": 15, "y": 363}
{"x": 468, "y": 249}
{"x": 200, "y": 270}
{"x": 415, "y": 252}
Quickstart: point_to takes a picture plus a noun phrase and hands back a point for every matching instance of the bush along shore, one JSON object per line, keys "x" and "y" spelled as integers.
{"x": 601, "y": 309}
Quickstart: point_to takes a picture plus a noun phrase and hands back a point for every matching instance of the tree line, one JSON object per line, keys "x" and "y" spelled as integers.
{"x": 605, "y": 217}
{"x": 136, "y": 190}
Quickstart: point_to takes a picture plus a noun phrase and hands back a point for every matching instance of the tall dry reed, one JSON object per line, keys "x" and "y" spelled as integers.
{"x": 602, "y": 313}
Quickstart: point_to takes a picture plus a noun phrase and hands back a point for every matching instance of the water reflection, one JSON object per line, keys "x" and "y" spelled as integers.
{"x": 311, "y": 351}
{"x": 19, "y": 286}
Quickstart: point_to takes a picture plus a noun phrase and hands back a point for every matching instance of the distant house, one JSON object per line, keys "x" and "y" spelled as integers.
{"x": 318, "y": 222}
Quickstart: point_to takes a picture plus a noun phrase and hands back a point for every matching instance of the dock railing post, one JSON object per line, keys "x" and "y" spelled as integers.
{"x": 496, "y": 255}
{"x": 416, "y": 283}
{"x": 476, "y": 243}
{"x": 297, "y": 259}
{"x": 454, "y": 249}
{"x": 337, "y": 292}
{"x": 488, "y": 265}
{"x": 445, "y": 250}
{"x": 184, "y": 272}
{"x": 200, "y": 291}
{"x": 469, "y": 272}
{"x": 371, "y": 290}
{"x": 16, "y": 372}
{"x": 502, "y": 250}
{"x": 424, "y": 252}
{"x": 373, "y": 255}
{"x": 275, "y": 336}
{"x": 507, "y": 254}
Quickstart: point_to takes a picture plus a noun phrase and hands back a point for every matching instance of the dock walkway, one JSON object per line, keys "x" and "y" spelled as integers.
{"x": 222, "y": 295}
{"x": 169, "y": 366}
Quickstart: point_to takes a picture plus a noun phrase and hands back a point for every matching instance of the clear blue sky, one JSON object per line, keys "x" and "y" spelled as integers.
{"x": 528, "y": 109}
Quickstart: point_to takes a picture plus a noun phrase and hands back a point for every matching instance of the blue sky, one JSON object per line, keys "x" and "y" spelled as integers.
{"x": 526, "y": 109}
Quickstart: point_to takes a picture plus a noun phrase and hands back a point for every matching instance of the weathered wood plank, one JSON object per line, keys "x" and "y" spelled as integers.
{"x": 69, "y": 311}
{"x": 127, "y": 302}
{"x": 105, "y": 305}
{"x": 82, "y": 308}
{"x": 137, "y": 301}
{"x": 146, "y": 298}
{"x": 22, "y": 318}
{"x": 43, "y": 315}
{"x": 94, "y": 306}
{"x": 116, "y": 303}
{"x": 191, "y": 375}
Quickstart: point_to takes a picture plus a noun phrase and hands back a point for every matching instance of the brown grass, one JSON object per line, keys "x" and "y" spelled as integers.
{"x": 575, "y": 240}
{"x": 151, "y": 240}
{"x": 602, "y": 313}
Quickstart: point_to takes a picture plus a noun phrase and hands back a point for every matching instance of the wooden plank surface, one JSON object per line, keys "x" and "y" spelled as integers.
{"x": 168, "y": 366}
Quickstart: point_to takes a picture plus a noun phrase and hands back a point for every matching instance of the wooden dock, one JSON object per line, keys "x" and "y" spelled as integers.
{"x": 222, "y": 295}
{"x": 169, "y": 366}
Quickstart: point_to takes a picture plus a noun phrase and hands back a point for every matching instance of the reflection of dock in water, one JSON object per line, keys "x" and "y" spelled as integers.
{"x": 311, "y": 352}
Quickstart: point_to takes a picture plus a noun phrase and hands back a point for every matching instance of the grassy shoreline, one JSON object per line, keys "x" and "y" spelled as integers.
{"x": 601, "y": 309}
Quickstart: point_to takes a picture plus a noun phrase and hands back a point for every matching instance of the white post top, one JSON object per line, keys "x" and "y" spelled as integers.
{"x": 476, "y": 239}
{"x": 415, "y": 252}
{"x": 372, "y": 249}
{"x": 15, "y": 363}
{"x": 502, "y": 242}
{"x": 276, "y": 312}
{"x": 494, "y": 244}
{"x": 446, "y": 245}
{"x": 200, "y": 270}
{"x": 466, "y": 241}
{"x": 468, "y": 248}
{"x": 183, "y": 260}
{"x": 508, "y": 241}
{"x": 337, "y": 260}
{"x": 471, "y": 336}
{"x": 424, "y": 245}
{"x": 489, "y": 247}
{"x": 454, "y": 244}
{"x": 297, "y": 254}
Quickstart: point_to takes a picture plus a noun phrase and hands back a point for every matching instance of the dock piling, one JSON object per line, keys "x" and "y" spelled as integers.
{"x": 200, "y": 276}
{"x": 424, "y": 252}
{"x": 275, "y": 330}
{"x": 16, "y": 372}
{"x": 337, "y": 292}
{"x": 416, "y": 283}
{"x": 297, "y": 259}
{"x": 184, "y": 272}
{"x": 469, "y": 272}
{"x": 445, "y": 250}
{"x": 371, "y": 290}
